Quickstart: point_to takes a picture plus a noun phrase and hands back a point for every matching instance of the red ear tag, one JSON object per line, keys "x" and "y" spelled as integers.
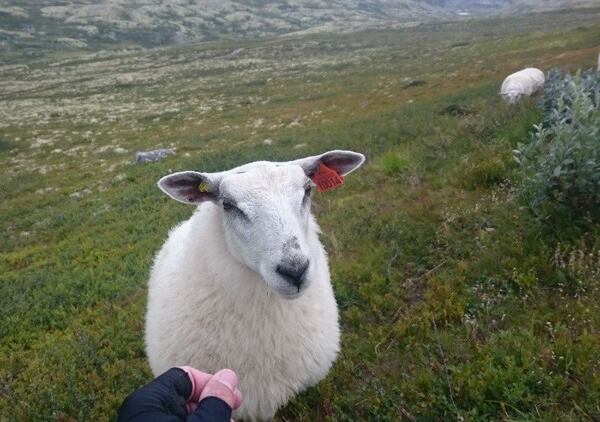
{"x": 326, "y": 178}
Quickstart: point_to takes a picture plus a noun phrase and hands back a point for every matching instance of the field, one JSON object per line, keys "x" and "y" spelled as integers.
{"x": 456, "y": 304}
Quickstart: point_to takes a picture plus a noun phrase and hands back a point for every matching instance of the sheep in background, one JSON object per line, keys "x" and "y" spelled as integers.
{"x": 244, "y": 283}
{"x": 525, "y": 82}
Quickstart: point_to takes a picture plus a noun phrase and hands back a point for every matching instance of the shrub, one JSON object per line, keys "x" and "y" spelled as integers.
{"x": 561, "y": 163}
{"x": 561, "y": 91}
{"x": 395, "y": 163}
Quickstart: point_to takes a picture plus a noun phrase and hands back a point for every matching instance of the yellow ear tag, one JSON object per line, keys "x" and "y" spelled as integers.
{"x": 203, "y": 187}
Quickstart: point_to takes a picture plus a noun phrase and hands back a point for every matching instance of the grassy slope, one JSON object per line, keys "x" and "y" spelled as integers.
{"x": 451, "y": 304}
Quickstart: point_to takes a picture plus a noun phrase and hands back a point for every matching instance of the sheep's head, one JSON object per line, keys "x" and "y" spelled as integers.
{"x": 512, "y": 96}
{"x": 266, "y": 211}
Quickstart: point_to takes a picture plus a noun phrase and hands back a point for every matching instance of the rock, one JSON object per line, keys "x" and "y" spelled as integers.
{"x": 413, "y": 83}
{"x": 45, "y": 190}
{"x": 151, "y": 156}
{"x": 81, "y": 194}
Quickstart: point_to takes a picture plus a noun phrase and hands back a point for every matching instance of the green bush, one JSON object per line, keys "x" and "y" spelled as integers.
{"x": 561, "y": 163}
{"x": 560, "y": 92}
{"x": 395, "y": 163}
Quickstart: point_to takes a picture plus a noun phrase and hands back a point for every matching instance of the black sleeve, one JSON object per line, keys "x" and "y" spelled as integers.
{"x": 163, "y": 400}
{"x": 211, "y": 409}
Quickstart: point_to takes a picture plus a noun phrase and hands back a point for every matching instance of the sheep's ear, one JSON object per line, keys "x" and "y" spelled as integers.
{"x": 343, "y": 162}
{"x": 327, "y": 170}
{"x": 190, "y": 187}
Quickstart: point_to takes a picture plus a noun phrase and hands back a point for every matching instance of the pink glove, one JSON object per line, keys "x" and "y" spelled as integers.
{"x": 222, "y": 385}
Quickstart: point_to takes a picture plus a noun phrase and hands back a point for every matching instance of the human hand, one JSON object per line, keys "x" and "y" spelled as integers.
{"x": 222, "y": 385}
{"x": 184, "y": 394}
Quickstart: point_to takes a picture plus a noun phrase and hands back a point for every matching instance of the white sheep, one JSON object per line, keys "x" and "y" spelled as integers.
{"x": 525, "y": 82}
{"x": 221, "y": 288}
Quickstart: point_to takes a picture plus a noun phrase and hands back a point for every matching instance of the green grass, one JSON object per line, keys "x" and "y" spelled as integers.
{"x": 453, "y": 303}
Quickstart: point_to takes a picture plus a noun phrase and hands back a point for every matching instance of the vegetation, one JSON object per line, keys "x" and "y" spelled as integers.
{"x": 454, "y": 304}
{"x": 561, "y": 163}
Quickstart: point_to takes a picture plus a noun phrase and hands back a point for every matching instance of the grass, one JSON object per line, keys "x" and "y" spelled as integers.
{"x": 453, "y": 303}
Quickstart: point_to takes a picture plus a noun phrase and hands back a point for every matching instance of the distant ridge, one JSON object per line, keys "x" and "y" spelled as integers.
{"x": 36, "y": 26}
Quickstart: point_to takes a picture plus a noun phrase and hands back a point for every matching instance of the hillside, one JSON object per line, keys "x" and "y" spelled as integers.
{"x": 32, "y": 28}
{"x": 455, "y": 302}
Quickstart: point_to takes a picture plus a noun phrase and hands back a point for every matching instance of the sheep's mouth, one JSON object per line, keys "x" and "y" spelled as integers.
{"x": 285, "y": 290}
{"x": 291, "y": 296}
{"x": 286, "y": 281}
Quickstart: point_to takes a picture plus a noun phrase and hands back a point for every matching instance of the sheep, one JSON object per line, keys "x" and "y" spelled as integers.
{"x": 525, "y": 82}
{"x": 244, "y": 283}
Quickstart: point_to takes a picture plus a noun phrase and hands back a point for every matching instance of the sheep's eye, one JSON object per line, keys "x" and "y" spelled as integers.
{"x": 306, "y": 199}
{"x": 232, "y": 210}
{"x": 228, "y": 205}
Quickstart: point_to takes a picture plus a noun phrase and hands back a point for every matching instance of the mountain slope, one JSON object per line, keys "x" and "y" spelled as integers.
{"x": 152, "y": 22}
{"x": 33, "y": 27}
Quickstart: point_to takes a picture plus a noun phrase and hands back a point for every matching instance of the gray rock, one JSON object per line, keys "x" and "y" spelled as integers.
{"x": 151, "y": 156}
{"x": 81, "y": 193}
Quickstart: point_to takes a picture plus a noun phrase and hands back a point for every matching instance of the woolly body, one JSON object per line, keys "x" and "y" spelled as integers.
{"x": 208, "y": 310}
{"x": 523, "y": 83}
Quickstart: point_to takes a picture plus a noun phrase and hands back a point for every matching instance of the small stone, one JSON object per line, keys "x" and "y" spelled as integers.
{"x": 81, "y": 193}
{"x": 151, "y": 156}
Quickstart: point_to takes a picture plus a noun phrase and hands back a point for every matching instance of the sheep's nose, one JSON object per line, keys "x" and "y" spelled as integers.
{"x": 293, "y": 272}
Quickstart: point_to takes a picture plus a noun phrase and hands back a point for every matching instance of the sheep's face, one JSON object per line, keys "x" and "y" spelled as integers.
{"x": 512, "y": 97}
{"x": 266, "y": 212}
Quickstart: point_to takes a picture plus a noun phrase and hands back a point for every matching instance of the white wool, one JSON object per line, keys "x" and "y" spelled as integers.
{"x": 208, "y": 310}
{"x": 523, "y": 83}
